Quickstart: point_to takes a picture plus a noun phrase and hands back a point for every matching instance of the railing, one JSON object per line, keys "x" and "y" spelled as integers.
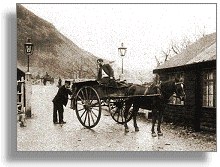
{"x": 21, "y": 101}
{"x": 20, "y": 95}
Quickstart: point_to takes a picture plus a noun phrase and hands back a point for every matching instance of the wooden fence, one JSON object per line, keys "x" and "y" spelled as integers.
{"x": 21, "y": 102}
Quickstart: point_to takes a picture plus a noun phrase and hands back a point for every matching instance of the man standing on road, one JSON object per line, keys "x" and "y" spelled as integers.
{"x": 59, "y": 100}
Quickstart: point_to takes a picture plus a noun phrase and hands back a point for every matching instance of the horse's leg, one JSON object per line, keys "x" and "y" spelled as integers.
{"x": 135, "y": 111}
{"x": 154, "y": 115}
{"x": 128, "y": 104}
{"x": 154, "y": 118}
{"x": 160, "y": 116}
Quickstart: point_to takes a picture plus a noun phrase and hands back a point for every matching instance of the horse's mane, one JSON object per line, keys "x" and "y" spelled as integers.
{"x": 168, "y": 82}
{"x": 142, "y": 89}
{"x": 167, "y": 88}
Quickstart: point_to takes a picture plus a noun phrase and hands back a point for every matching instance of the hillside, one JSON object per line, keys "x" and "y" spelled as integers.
{"x": 53, "y": 52}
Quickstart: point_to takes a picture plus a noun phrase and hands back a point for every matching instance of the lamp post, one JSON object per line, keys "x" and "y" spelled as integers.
{"x": 122, "y": 51}
{"x": 28, "y": 50}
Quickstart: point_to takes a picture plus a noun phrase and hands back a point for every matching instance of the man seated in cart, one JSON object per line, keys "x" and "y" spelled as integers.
{"x": 105, "y": 74}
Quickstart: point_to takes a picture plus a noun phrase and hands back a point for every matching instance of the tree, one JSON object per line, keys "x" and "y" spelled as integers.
{"x": 175, "y": 47}
{"x": 84, "y": 69}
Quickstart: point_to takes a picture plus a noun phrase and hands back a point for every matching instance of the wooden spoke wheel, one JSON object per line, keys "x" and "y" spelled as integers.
{"x": 88, "y": 106}
{"x": 117, "y": 109}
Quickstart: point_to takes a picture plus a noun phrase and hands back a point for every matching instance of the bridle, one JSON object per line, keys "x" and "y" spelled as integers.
{"x": 182, "y": 86}
{"x": 158, "y": 86}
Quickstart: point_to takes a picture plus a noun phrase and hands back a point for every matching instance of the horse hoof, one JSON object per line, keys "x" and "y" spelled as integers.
{"x": 160, "y": 134}
{"x": 136, "y": 129}
{"x": 154, "y": 135}
{"x": 126, "y": 130}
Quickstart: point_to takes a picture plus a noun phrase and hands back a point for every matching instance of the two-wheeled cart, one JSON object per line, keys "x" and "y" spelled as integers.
{"x": 91, "y": 97}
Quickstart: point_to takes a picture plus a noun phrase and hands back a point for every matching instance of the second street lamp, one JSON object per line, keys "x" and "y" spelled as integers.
{"x": 122, "y": 51}
{"x": 28, "y": 49}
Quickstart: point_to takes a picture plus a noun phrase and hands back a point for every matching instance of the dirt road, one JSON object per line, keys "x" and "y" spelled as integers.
{"x": 42, "y": 135}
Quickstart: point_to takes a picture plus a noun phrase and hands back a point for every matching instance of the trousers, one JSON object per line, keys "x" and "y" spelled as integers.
{"x": 57, "y": 108}
{"x": 109, "y": 82}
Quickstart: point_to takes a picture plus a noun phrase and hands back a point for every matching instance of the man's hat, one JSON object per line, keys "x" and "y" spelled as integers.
{"x": 99, "y": 60}
{"x": 67, "y": 82}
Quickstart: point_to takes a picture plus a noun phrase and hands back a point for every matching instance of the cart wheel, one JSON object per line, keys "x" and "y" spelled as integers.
{"x": 88, "y": 106}
{"x": 117, "y": 108}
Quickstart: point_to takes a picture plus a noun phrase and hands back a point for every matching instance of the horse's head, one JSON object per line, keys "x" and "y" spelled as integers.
{"x": 179, "y": 90}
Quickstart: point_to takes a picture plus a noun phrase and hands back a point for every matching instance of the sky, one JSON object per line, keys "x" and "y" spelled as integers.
{"x": 145, "y": 29}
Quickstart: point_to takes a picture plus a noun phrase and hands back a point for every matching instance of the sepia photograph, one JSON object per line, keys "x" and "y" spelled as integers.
{"x": 116, "y": 77}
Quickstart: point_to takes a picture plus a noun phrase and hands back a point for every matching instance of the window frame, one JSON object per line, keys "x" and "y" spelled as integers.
{"x": 174, "y": 100}
{"x": 206, "y": 82}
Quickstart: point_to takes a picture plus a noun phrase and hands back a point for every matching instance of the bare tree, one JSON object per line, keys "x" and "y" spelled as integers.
{"x": 177, "y": 47}
{"x": 166, "y": 54}
{"x": 140, "y": 77}
{"x": 158, "y": 62}
{"x": 84, "y": 69}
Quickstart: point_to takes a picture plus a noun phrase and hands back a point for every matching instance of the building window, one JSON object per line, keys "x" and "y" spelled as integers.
{"x": 209, "y": 88}
{"x": 173, "y": 99}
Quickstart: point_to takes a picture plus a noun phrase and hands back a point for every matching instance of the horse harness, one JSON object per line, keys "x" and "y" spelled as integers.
{"x": 158, "y": 92}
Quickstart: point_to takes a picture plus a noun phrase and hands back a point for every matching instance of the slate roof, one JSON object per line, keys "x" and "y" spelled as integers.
{"x": 207, "y": 55}
{"x": 202, "y": 50}
{"x": 21, "y": 68}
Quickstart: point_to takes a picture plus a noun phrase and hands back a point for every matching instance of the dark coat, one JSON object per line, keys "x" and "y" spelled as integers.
{"x": 62, "y": 95}
{"x": 107, "y": 69}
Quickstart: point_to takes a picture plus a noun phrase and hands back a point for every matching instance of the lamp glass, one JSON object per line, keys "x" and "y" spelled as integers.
{"x": 122, "y": 50}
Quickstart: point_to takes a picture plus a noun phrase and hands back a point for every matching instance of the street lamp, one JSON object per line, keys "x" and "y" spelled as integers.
{"x": 122, "y": 51}
{"x": 28, "y": 49}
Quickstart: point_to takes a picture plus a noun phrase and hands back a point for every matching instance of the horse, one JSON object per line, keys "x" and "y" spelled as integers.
{"x": 49, "y": 79}
{"x": 152, "y": 98}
